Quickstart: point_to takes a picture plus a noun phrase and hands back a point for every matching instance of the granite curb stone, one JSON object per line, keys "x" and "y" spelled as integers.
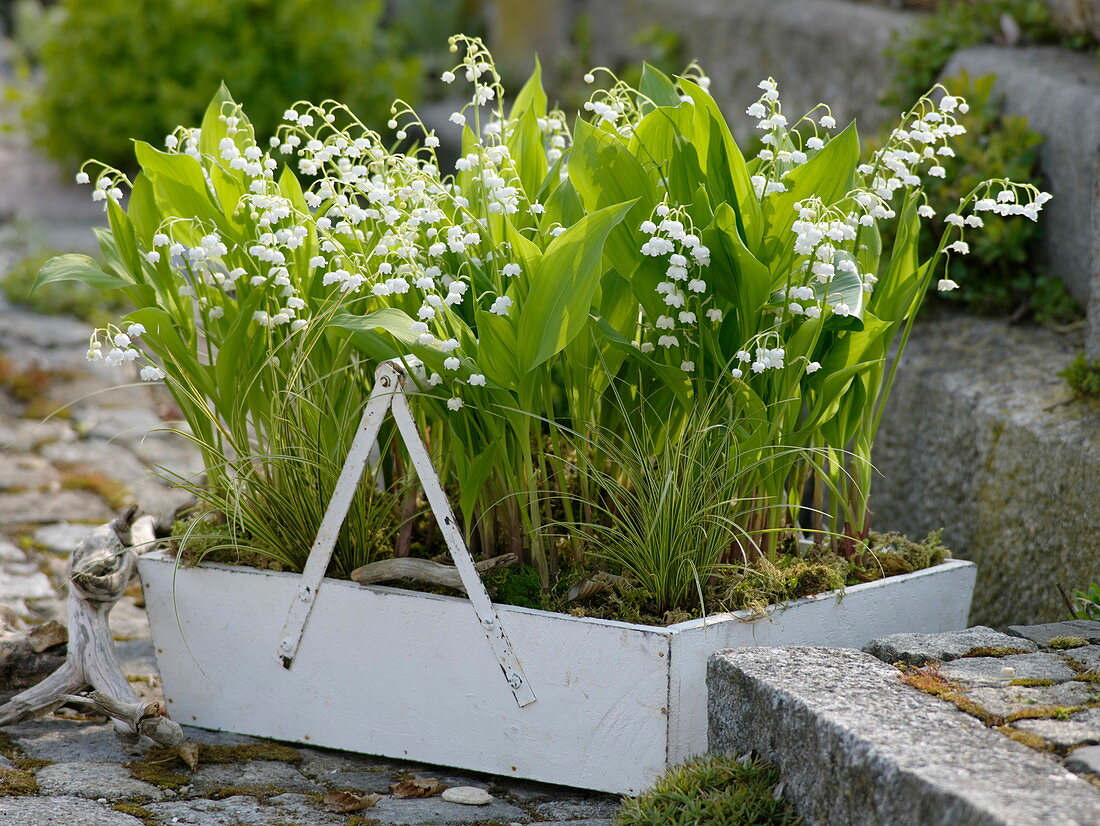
{"x": 918, "y": 649}
{"x": 1043, "y": 634}
{"x": 930, "y": 763}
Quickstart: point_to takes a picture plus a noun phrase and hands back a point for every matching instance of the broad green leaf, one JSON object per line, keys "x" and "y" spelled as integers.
{"x": 496, "y": 350}
{"x": 656, "y": 88}
{"x": 893, "y": 297}
{"x": 525, "y": 146}
{"x": 845, "y": 288}
{"x": 387, "y": 333}
{"x": 213, "y": 125}
{"x": 531, "y": 97}
{"x": 662, "y": 142}
{"x": 473, "y": 479}
{"x": 563, "y": 208}
{"x": 77, "y": 268}
{"x": 728, "y": 164}
{"x": 179, "y": 186}
{"x": 735, "y": 272}
{"x": 122, "y": 230}
{"x": 142, "y": 210}
{"x": 558, "y": 306}
{"x": 605, "y": 173}
{"x": 828, "y": 175}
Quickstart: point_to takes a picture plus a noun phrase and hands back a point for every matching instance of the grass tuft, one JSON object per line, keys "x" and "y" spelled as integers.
{"x": 718, "y": 790}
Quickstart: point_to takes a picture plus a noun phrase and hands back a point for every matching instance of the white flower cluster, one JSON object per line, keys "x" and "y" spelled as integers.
{"x": 683, "y": 290}
{"x": 122, "y": 350}
{"x": 784, "y": 150}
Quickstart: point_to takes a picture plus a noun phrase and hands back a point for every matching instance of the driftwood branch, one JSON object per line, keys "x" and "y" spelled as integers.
{"x": 424, "y": 570}
{"x": 99, "y": 572}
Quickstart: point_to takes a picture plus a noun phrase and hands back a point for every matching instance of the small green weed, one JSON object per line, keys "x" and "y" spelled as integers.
{"x": 1083, "y": 377}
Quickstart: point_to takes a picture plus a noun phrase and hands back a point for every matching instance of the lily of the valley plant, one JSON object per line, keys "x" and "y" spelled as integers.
{"x": 627, "y": 273}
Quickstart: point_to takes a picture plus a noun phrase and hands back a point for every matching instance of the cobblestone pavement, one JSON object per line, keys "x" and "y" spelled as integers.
{"x": 58, "y": 477}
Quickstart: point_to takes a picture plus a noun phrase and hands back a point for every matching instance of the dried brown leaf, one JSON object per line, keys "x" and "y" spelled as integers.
{"x": 417, "y": 787}
{"x": 345, "y": 802}
{"x": 189, "y": 754}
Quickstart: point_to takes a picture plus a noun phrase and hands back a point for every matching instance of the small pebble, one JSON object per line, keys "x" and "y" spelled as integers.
{"x": 1008, "y": 672}
{"x": 101, "y": 800}
{"x": 467, "y": 795}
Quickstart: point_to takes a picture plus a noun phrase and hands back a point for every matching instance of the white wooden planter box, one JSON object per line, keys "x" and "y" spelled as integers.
{"x": 410, "y": 675}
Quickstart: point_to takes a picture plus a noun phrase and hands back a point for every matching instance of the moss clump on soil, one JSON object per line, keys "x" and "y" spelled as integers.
{"x": 717, "y": 789}
{"x": 993, "y": 651}
{"x": 1063, "y": 643}
{"x": 245, "y": 753}
{"x": 138, "y": 811}
{"x": 18, "y": 757}
{"x": 1031, "y": 682}
{"x": 17, "y": 783}
{"x": 160, "y": 770}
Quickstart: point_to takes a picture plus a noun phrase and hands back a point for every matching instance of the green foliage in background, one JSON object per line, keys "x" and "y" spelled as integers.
{"x": 1000, "y": 275}
{"x": 119, "y": 69}
{"x": 718, "y": 790}
{"x": 75, "y": 299}
{"x": 1087, "y": 603}
{"x": 923, "y": 53}
{"x": 1083, "y": 376}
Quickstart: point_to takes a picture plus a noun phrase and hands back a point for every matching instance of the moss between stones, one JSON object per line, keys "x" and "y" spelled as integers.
{"x": 930, "y": 681}
{"x": 17, "y": 783}
{"x": 1088, "y": 677}
{"x": 138, "y": 811}
{"x": 993, "y": 651}
{"x": 1044, "y": 713}
{"x": 266, "y": 750}
{"x": 18, "y": 757}
{"x": 359, "y": 820}
{"x": 158, "y": 769}
{"x": 261, "y": 792}
{"x": 1026, "y": 737}
{"x": 1062, "y": 643}
{"x": 1031, "y": 682}
{"x": 716, "y": 789}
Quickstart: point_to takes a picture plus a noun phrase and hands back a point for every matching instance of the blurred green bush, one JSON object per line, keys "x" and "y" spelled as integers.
{"x": 112, "y": 70}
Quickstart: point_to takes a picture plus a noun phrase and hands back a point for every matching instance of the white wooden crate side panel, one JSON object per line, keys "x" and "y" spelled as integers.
{"x": 928, "y": 601}
{"x": 409, "y": 675}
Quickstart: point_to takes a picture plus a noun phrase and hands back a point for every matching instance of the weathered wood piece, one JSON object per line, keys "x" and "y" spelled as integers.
{"x": 424, "y": 570}
{"x": 99, "y": 572}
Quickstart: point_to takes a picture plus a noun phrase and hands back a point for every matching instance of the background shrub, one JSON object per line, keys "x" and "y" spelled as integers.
{"x": 119, "y": 69}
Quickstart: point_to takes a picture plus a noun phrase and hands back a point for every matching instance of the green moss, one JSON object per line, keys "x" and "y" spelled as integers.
{"x": 18, "y": 757}
{"x": 1063, "y": 643}
{"x": 137, "y": 810}
{"x": 1031, "y": 682}
{"x": 360, "y": 820}
{"x": 718, "y": 790}
{"x": 1026, "y": 737}
{"x": 1083, "y": 377}
{"x": 993, "y": 651}
{"x": 930, "y": 681}
{"x": 160, "y": 769}
{"x": 1044, "y": 713}
{"x": 1088, "y": 677}
{"x": 17, "y": 783}
{"x": 266, "y": 750}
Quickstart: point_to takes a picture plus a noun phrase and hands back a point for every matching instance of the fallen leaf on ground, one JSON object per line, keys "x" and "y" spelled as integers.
{"x": 417, "y": 787}
{"x": 344, "y": 802}
{"x": 189, "y": 754}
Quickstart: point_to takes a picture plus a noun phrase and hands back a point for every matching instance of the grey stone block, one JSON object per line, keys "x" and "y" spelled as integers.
{"x": 1085, "y": 760}
{"x": 254, "y": 774}
{"x": 574, "y": 810}
{"x": 1043, "y": 634}
{"x": 1059, "y": 93}
{"x": 1082, "y": 728}
{"x": 820, "y": 51}
{"x": 61, "y": 741}
{"x": 1010, "y": 699}
{"x": 856, "y": 746}
{"x": 390, "y": 810}
{"x": 60, "y": 811}
{"x": 994, "y": 671}
{"x": 240, "y": 809}
{"x": 1087, "y": 657}
{"x": 984, "y": 440}
{"x": 918, "y": 649}
{"x": 94, "y": 780}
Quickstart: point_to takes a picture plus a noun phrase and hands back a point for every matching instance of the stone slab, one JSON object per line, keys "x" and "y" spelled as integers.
{"x": 1011, "y": 699}
{"x": 991, "y": 671}
{"x": 1082, "y": 728}
{"x": 573, "y": 810}
{"x": 982, "y": 439}
{"x": 94, "y": 780}
{"x": 66, "y": 741}
{"x": 25, "y": 586}
{"x": 883, "y": 753}
{"x": 1084, "y": 760}
{"x": 61, "y": 537}
{"x": 918, "y": 649}
{"x": 392, "y": 811}
{"x": 1058, "y": 91}
{"x": 60, "y": 811}
{"x": 1087, "y": 657}
{"x": 253, "y": 774}
{"x": 37, "y": 507}
{"x": 241, "y": 809}
{"x": 1043, "y": 634}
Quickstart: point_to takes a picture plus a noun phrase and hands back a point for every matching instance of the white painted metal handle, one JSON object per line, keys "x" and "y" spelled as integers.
{"x": 389, "y": 394}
